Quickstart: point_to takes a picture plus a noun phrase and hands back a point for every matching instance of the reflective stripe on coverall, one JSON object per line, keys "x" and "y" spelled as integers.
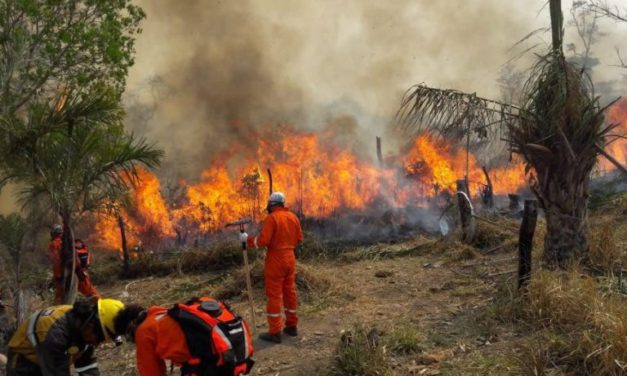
{"x": 157, "y": 338}
{"x": 281, "y": 233}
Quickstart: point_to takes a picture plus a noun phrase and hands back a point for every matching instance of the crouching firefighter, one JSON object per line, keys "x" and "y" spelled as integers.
{"x": 57, "y": 337}
{"x": 83, "y": 262}
{"x": 203, "y": 337}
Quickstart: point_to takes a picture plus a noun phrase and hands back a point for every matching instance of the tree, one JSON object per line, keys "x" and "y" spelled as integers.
{"x": 81, "y": 162}
{"x": 558, "y": 131}
{"x": 12, "y": 232}
{"x": 48, "y": 46}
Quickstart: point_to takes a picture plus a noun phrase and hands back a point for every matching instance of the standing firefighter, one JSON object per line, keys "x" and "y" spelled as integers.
{"x": 203, "y": 336}
{"x": 281, "y": 234}
{"x": 56, "y": 337}
{"x": 55, "y": 255}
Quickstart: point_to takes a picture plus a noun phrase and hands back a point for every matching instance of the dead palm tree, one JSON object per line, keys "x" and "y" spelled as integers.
{"x": 558, "y": 131}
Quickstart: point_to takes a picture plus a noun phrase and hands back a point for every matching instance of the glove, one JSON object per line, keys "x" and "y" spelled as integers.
{"x": 243, "y": 237}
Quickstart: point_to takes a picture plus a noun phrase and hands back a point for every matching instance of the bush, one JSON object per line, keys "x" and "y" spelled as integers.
{"x": 359, "y": 354}
{"x": 583, "y": 329}
{"x": 404, "y": 339}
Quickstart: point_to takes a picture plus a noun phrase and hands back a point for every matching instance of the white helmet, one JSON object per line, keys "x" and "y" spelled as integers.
{"x": 276, "y": 198}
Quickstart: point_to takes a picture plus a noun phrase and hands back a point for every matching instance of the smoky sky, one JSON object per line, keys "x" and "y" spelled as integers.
{"x": 209, "y": 73}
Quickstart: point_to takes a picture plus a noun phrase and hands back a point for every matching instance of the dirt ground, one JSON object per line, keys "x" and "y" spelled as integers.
{"x": 439, "y": 296}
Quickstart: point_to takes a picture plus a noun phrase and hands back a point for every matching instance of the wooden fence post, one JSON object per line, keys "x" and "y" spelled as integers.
{"x": 465, "y": 212}
{"x": 525, "y": 241}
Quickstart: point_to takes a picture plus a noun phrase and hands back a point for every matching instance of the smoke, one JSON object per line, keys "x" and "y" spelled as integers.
{"x": 209, "y": 73}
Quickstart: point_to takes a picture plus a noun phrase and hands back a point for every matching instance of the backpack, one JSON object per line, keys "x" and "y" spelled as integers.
{"x": 82, "y": 253}
{"x": 218, "y": 340}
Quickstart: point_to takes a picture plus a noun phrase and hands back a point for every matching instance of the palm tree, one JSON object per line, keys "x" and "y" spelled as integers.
{"x": 78, "y": 158}
{"x": 558, "y": 131}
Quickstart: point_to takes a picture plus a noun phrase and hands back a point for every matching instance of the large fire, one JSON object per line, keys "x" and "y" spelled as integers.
{"x": 617, "y": 114}
{"x": 319, "y": 179}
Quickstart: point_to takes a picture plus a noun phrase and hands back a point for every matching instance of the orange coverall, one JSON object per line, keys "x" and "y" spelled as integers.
{"x": 281, "y": 233}
{"x": 55, "y": 255}
{"x": 157, "y": 338}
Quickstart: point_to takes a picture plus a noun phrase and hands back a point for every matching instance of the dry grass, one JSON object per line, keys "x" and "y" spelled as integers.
{"x": 357, "y": 355}
{"x": 584, "y": 328}
{"x": 312, "y": 282}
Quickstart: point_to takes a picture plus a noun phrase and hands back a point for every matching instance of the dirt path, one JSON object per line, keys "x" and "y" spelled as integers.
{"x": 419, "y": 291}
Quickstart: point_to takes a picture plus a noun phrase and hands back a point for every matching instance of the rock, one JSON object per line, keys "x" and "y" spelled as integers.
{"x": 383, "y": 274}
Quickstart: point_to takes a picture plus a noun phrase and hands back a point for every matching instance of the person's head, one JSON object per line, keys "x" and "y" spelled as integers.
{"x": 56, "y": 230}
{"x": 86, "y": 322}
{"x": 276, "y": 199}
{"x": 79, "y": 244}
{"x": 127, "y": 321}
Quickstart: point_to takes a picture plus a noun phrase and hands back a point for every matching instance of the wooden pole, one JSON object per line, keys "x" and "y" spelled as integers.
{"x": 525, "y": 241}
{"x": 379, "y": 152}
{"x": 269, "y": 182}
{"x": 249, "y": 285}
{"x": 124, "y": 245}
{"x": 465, "y": 212}
{"x": 488, "y": 194}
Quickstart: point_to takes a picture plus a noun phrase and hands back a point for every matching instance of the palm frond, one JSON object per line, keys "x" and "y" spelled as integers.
{"x": 453, "y": 114}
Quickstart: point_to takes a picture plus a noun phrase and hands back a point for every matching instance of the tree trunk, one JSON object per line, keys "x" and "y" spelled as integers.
{"x": 557, "y": 21}
{"x": 127, "y": 263}
{"x": 525, "y": 241}
{"x": 69, "y": 260}
{"x": 379, "y": 152}
{"x": 466, "y": 213}
{"x": 566, "y": 239}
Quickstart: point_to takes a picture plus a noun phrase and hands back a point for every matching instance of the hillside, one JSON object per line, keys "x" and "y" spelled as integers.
{"x": 439, "y": 307}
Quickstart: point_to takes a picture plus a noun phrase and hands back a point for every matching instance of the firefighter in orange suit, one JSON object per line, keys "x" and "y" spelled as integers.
{"x": 281, "y": 234}
{"x": 55, "y": 255}
{"x": 183, "y": 336}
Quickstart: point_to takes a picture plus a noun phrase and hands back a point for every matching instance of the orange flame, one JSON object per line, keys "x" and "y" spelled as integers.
{"x": 318, "y": 178}
{"x": 617, "y": 114}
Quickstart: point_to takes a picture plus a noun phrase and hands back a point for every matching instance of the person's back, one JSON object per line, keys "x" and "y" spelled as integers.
{"x": 287, "y": 232}
{"x": 157, "y": 338}
{"x": 202, "y": 336}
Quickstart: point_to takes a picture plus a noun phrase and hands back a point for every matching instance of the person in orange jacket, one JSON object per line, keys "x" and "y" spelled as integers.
{"x": 190, "y": 336}
{"x": 55, "y": 255}
{"x": 83, "y": 262}
{"x": 281, "y": 234}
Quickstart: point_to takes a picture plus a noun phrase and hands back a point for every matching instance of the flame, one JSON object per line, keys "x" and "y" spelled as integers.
{"x": 319, "y": 179}
{"x": 617, "y": 114}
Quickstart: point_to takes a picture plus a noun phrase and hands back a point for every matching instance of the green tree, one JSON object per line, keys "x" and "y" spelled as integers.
{"x": 558, "y": 130}
{"x": 81, "y": 162}
{"x": 13, "y": 229}
{"x": 49, "y": 46}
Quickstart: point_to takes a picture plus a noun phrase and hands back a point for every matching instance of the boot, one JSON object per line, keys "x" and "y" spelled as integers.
{"x": 291, "y": 331}
{"x": 275, "y": 338}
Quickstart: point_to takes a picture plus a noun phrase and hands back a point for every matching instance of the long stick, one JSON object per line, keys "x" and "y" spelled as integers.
{"x": 249, "y": 287}
{"x": 269, "y": 181}
{"x": 611, "y": 159}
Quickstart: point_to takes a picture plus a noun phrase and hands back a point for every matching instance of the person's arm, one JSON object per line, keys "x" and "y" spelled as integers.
{"x": 265, "y": 237}
{"x": 148, "y": 362}
{"x": 52, "y": 352}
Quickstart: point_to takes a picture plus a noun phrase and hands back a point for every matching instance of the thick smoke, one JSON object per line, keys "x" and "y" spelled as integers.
{"x": 219, "y": 70}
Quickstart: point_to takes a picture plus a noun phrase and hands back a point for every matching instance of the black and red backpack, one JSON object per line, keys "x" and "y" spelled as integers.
{"x": 82, "y": 253}
{"x": 218, "y": 340}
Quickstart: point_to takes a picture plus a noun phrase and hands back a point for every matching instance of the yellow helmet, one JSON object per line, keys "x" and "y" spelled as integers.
{"x": 108, "y": 309}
